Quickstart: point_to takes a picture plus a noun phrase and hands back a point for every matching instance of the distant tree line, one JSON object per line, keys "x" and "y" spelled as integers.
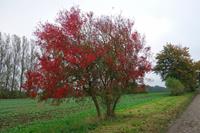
{"x": 156, "y": 88}
{"x": 17, "y": 54}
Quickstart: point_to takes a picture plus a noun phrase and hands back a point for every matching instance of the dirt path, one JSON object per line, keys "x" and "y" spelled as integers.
{"x": 189, "y": 122}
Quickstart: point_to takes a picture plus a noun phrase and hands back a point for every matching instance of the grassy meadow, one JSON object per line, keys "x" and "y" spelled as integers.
{"x": 148, "y": 113}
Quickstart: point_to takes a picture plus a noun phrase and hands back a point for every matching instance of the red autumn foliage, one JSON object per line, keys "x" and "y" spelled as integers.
{"x": 82, "y": 54}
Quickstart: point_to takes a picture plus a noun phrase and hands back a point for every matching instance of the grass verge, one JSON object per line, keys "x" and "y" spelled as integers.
{"x": 153, "y": 117}
{"x": 135, "y": 113}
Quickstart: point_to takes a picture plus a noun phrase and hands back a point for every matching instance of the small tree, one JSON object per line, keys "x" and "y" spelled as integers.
{"x": 175, "y": 86}
{"x": 84, "y": 55}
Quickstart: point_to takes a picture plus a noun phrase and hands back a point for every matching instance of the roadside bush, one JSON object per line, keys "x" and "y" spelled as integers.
{"x": 175, "y": 86}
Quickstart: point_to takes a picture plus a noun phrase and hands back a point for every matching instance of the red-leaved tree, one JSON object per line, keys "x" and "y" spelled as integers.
{"x": 83, "y": 55}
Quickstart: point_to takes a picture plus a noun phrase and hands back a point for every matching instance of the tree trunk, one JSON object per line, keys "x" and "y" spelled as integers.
{"x": 96, "y": 106}
{"x": 114, "y": 105}
{"x": 13, "y": 78}
{"x": 94, "y": 98}
{"x": 7, "y": 80}
{"x": 111, "y": 106}
{"x": 21, "y": 78}
{"x": 109, "y": 112}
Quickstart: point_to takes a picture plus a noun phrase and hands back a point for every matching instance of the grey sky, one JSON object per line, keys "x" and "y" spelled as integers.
{"x": 161, "y": 21}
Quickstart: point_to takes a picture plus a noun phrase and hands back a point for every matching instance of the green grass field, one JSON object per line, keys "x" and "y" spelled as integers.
{"x": 135, "y": 113}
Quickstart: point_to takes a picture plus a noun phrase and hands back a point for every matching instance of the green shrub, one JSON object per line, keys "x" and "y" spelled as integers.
{"x": 175, "y": 86}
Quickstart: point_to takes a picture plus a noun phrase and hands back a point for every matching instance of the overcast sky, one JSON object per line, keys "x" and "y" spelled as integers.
{"x": 161, "y": 21}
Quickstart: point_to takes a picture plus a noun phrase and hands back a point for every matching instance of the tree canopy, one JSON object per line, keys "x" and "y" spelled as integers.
{"x": 175, "y": 61}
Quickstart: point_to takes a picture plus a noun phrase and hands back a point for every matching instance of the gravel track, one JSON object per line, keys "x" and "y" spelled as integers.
{"x": 189, "y": 121}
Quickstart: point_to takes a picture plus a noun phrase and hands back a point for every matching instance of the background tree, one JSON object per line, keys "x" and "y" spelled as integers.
{"x": 175, "y": 61}
{"x": 197, "y": 68}
{"x": 16, "y": 56}
{"x": 23, "y": 54}
{"x": 86, "y": 55}
{"x": 2, "y": 60}
{"x": 16, "y": 42}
